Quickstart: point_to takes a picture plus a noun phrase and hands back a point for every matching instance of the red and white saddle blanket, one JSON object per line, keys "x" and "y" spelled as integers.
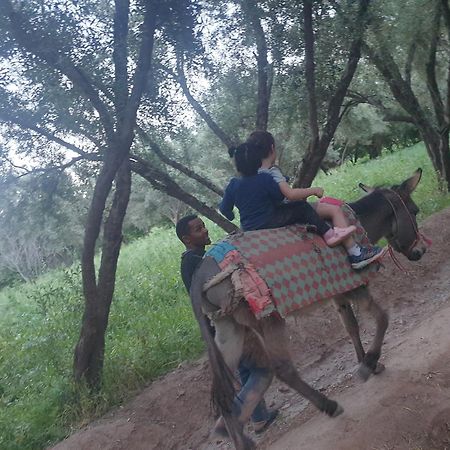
{"x": 284, "y": 269}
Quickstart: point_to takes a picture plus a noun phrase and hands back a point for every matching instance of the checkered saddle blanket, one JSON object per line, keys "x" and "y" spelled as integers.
{"x": 285, "y": 269}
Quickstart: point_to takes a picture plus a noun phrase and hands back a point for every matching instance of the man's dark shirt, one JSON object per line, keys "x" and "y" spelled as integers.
{"x": 190, "y": 259}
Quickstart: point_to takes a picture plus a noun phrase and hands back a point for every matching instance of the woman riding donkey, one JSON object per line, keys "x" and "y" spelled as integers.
{"x": 265, "y": 200}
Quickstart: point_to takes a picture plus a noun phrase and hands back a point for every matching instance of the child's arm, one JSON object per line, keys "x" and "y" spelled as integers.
{"x": 292, "y": 194}
{"x": 296, "y": 194}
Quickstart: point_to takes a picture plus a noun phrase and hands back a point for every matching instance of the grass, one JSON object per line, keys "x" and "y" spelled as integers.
{"x": 151, "y": 327}
{"x": 391, "y": 168}
{"x": 151, "y": 330}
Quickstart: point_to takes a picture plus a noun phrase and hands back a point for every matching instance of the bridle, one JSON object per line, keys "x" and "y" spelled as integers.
{"x": 395, "y": 239}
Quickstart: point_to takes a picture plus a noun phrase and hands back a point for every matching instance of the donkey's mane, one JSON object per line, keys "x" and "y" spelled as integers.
{"x": 369, "y": 202}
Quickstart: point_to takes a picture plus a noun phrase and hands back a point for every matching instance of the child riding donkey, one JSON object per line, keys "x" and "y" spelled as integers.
{"x": 265, "y": 200}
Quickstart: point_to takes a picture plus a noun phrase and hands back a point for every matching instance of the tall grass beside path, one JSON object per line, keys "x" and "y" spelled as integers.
{"x": 391, "y": 168}
{"x": 151, "y": 326}
{"x": 151, "y": 330}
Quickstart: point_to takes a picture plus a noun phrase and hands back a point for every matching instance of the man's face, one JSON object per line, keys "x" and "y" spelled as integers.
{"x": 198, "y": 234}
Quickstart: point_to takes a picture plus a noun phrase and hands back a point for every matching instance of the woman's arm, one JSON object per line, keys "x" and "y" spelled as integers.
{"x": 227, "y": 204}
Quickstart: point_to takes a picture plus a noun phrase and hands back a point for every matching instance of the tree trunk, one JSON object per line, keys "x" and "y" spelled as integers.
{"x": 89, "y": 352}
{"x": 319, "y": 142}
{"x": 438, "y": 150}
{"x": 436, "y": 139}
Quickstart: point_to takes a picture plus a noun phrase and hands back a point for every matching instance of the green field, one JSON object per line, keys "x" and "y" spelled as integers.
{"x": 151, "y": 327}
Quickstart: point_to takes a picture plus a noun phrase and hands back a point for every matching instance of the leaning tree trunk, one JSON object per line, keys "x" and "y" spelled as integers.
{"x": 89, "y": 352}
{"x": 437, "y": 145}
{"x": 320, "y": 141}
{"x": 162, "y": 182}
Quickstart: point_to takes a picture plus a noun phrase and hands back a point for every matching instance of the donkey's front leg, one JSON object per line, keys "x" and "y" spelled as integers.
{"x": 348, "y": 319}
{"x": 276, "y": 345}
{"x": 370, "y": 364}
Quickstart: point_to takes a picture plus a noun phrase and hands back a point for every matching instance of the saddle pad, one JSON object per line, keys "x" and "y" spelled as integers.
{"x": 298, "y": 267}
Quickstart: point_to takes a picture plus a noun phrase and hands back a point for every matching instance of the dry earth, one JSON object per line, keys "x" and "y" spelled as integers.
{"x": 406, "y": 407}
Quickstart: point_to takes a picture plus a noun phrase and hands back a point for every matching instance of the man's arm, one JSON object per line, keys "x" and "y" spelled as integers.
{"x": 189, "y": 263}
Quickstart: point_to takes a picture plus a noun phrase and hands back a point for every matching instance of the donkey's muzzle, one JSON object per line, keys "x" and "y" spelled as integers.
{"x": 416, "y": 253}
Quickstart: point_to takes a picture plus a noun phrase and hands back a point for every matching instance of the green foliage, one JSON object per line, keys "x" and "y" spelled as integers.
{"x": 151, "y": 330}
{"x": 151, "y": 327}
{"x": 391, "y": 168}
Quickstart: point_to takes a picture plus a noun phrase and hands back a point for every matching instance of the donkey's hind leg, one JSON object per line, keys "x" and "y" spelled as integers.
{"x": 344, "y": 308}
{"x": 230, "y": 341}
{"x": 370, "y": 364}
{"x": 276, "y": 344}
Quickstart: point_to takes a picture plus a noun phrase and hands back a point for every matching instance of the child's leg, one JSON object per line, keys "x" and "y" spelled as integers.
{"x": 333, "y": 213}
{"x": 303, "y": 212}
{"x": 297, "y": 212}
{"x": 359, "y": 256}
{"x": 337, "y": 217}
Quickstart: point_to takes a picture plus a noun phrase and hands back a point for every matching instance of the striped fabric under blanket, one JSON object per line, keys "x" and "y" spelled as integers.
{"x": 284, "y": 269}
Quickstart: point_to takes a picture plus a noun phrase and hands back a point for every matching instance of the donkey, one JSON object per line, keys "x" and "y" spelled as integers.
{"x": 389, "y": 213}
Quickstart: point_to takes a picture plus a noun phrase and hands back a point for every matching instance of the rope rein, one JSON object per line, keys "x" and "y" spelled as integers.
{"x": 419, "y": 236}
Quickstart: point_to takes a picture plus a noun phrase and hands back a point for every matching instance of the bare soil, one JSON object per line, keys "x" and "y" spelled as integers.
{"x": 405, "y": 407}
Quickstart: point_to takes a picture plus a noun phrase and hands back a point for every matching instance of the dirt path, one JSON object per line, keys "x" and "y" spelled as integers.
{"x": 407, "y": 407}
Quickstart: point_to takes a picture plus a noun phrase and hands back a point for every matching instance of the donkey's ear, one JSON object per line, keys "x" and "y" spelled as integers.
{"x": 366, "y": 188}
{"x": 411, "y": 183}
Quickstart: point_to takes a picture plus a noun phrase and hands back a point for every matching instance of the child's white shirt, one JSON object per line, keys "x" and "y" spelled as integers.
{"x": 275, "y": 173}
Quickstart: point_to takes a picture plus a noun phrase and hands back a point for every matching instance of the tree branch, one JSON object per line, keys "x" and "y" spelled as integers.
{"x": 35, "y": 43}
{"x": 60, "y": 167}
{"x": 388, "y": 115}
{"x": 143, "y": 66}
{"x": 164, "y": 183}
{"x": 263, "y": 99}
{"x": 176, "y": 165}
{"x": 310, "y": 71}
{"x": 401, "y": 90}
{"x": 198, "y": 108}
{"x": 120, "y": 57}
{"x": 346, "y": 78}
{"x": 409, "y": 61}
{"x": 24, "y": 122}
{"x": 446, "y": 15}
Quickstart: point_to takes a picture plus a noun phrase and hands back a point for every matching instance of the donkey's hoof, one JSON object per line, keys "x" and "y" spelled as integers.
{"x": 333, "y": 409}
{"x": 364, "y": 372}
{"x": 339, "y": 410}
{"x": 380, "y": 368}
{"x": 220, "y": 430}
{"x": 249, "y": 444}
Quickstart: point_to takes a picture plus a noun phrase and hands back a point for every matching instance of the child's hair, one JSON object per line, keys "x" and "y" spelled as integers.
{"x": 247, "y": 158}
{"x": 182, "y": 226}
{"x": 263, "y": 140}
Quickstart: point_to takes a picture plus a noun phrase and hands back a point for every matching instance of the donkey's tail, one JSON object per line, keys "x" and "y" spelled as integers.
{"x": 223, "y": 390}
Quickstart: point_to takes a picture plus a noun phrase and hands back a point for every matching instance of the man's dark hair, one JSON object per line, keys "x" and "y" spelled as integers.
{"x": 182, "y": 226}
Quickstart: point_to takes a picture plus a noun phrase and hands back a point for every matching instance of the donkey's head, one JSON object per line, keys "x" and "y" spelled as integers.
{"x": 402, "y": 231}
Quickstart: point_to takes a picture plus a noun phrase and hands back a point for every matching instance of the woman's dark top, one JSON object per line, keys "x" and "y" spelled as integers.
{"x": 256, "y": 198}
